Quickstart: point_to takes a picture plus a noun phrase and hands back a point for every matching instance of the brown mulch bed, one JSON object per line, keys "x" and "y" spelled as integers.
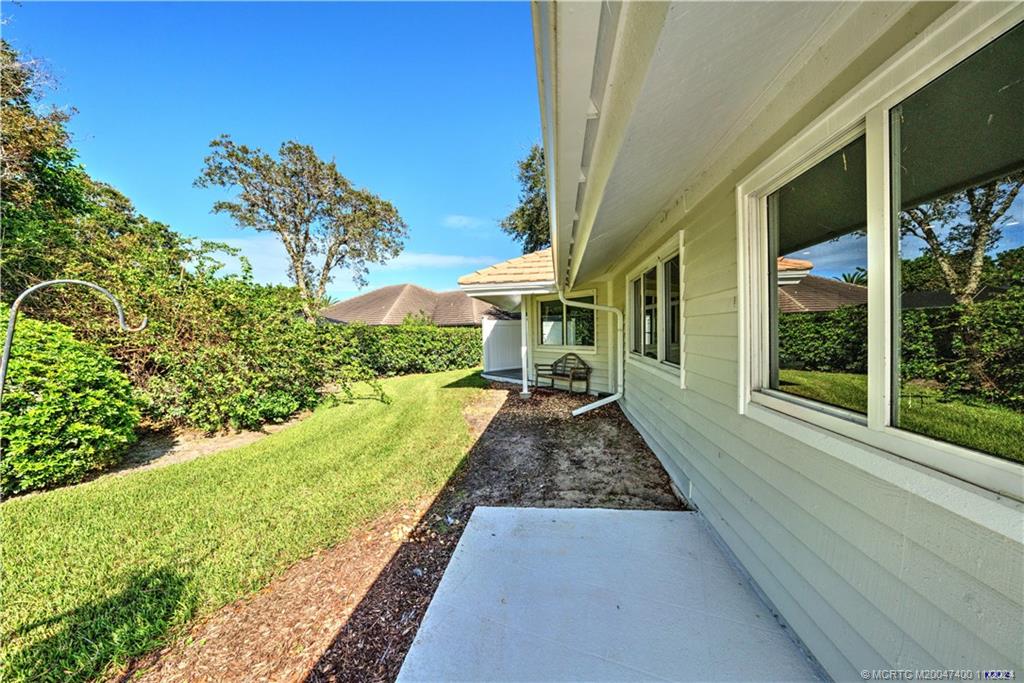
{"x": 350, "y": 613}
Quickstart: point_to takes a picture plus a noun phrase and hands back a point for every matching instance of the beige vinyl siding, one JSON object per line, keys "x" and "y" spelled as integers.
{"x": 869, "y": 574}
{"x": 598, "y": 357}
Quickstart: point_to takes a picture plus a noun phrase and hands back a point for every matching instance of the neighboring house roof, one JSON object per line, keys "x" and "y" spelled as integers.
{"x": 535, "y": 267}
{"x": 791, "y": 270}
{"x": 813, "y": 294}
{"x": 793, "y": 264}
{"x": 391, "y": 305}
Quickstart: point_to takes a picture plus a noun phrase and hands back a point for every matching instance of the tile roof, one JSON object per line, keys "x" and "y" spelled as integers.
{"x": 535, "y": 267}
{"x": 793, "y": 264}
{"x": 813, "y": 294}
{"x": 391, "y": 305}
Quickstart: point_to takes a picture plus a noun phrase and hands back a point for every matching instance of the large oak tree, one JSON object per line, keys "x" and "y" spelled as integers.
{"x": 323, "y": 222}
{"x": 959, "y": 230}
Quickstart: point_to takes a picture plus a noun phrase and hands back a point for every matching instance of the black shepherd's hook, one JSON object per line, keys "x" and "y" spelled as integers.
{"x": 14, "y": 318}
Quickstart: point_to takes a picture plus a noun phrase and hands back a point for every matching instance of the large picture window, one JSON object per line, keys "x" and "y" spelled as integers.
{"x": 818, "y": 294}
{"x": 562, "y": 325}
{"x": 958, "y": 215}
{"x": 881, "y": 263}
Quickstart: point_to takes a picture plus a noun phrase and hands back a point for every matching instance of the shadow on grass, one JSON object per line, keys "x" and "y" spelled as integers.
{"x": 473, "y": 380}
{"x": 84, "y": 642}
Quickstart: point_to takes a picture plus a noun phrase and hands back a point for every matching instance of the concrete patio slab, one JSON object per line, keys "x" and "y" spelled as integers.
{"x": 596, "y": 595}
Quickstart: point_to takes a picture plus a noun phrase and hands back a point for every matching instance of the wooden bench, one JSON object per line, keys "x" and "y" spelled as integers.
{"x": 569, "y": 367}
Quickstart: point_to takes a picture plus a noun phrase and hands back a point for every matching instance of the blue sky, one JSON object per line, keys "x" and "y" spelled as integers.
{"x": 428, "y": 105}
{"x": 846, "y": 254}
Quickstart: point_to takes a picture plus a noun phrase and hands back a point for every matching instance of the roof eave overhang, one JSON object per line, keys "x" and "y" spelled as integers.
{"x": 508, "y": 297}
{"x": 592, "y": 59}
{"x": 510, "y": 288}
{"x": 565, "y": 39}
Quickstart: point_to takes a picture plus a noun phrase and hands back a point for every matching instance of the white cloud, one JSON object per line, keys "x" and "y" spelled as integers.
{"x": 414, "y": 259}
{"x": 270, "y": 264}
{"x": 461, "y": 221}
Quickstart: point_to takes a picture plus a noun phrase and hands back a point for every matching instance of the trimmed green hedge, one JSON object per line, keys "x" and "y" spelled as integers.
{"x": 836, "y": 341}
{"x": 263, "y": 372}
{"x": 930, "y": 344}
{"x": 414, "y": 347}
{"x": 68, "y": 411}
{"x": 833, "y": 341}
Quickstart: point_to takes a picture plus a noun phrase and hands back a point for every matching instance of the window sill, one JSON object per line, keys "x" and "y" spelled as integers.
{"x": 657, "y": 368}
{"x": 901, "y": 458}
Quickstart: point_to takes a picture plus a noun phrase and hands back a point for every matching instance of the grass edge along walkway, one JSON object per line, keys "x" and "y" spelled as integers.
{"x": 96, "y": 574}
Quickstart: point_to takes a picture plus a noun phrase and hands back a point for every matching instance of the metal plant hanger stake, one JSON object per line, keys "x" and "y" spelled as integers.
{"x": 12, "y": 320}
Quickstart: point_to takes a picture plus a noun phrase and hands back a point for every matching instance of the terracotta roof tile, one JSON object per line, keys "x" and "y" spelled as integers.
{"x": 529, "y": 268}
{"x": 793, "y": 264}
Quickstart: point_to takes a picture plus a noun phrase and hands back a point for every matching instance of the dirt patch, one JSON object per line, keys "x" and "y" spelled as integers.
{"x": 350, "y": 613}
{"x": 535, "y": 454}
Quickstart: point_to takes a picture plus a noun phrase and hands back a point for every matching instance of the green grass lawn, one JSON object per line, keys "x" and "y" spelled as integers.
{"x": 101, "y": 572}
{"x": 992, "y": 429}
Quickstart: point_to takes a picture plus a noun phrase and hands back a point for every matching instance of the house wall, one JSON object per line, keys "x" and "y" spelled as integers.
{"x": 874, "y": 566}
{"x": 599, "y": 358}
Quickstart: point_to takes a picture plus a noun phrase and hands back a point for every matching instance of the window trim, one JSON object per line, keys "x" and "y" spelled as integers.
{"x": 957, "y": 35}
{"x": 574, "y": 348}
{"x": 656, "y": 259}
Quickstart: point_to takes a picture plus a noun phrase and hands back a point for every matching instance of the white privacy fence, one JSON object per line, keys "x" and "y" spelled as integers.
{"x": 501, "y": 344}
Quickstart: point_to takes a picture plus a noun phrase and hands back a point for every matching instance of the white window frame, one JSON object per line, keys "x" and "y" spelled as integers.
{"x": 575, "y": 348}
{"x": 657, "y": 259}
{"x": 865, "y": 110}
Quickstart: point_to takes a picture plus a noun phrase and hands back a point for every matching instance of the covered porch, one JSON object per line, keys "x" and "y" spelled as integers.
{"x": 552, "y": 325}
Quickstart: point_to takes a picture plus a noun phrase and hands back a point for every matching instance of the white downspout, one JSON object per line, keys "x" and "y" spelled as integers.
{"x": 524, "y": 348}
{"x": 619, "y": 330}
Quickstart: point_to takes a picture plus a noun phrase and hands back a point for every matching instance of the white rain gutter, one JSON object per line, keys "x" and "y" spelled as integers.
{"x": 619, "y": 330}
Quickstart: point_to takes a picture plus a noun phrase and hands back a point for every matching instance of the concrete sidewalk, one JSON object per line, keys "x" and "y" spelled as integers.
{"x": 593, "y": 594}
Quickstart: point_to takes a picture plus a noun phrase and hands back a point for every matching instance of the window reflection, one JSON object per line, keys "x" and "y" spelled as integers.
{"x": 818, "y": 292}
{"x": 958, "y": 153}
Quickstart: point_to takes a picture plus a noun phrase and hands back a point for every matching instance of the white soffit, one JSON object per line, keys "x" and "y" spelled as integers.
{"x": 713, "y": 62}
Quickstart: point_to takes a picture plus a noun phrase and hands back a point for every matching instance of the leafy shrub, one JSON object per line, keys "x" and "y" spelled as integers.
{"x": 67, "y": 410}
{"x": 922, "y": 334}
{"x": 415, "y": 346}
{"x": 999, "y": 324}
{"x": 931, "y": 346}
{"x": 220, "y": 351}
{"x": 265, "y": 373}
{"x": 832, "y": 341}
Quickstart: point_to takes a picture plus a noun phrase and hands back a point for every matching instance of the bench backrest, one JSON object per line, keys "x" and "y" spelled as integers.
{"x": 568, "y": 363}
